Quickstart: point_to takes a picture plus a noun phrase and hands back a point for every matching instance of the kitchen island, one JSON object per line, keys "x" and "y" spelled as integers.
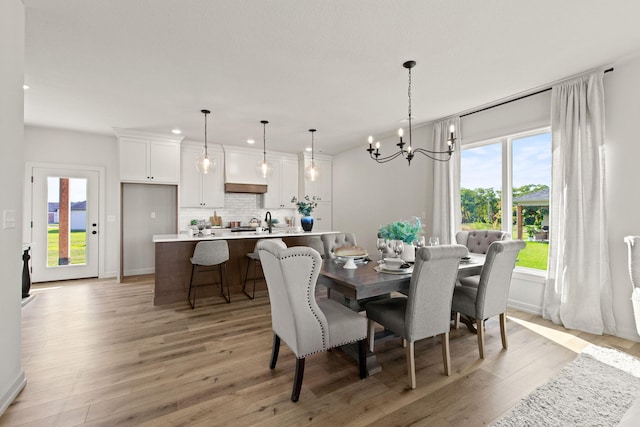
{"x": 173, "y": 268}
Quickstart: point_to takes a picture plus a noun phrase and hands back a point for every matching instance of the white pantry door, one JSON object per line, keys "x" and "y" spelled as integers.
{"x": 64, "y": 224}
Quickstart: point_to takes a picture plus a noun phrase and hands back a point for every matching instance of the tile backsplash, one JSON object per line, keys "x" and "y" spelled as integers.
{"x": 237, "y": 207}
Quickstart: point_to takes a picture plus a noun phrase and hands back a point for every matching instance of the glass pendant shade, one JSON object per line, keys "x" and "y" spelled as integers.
{"x": 205, "y": 164}
{"x": 264, "y": 169}
{"x": 311, "y": 172}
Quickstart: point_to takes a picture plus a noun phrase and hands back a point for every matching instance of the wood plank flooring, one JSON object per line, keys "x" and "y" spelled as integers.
{"x": 98, "y": 353}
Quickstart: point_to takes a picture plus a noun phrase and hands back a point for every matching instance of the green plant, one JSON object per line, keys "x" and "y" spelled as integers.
{"x": 406, "y": 230}
{"x": 305, "y": 207}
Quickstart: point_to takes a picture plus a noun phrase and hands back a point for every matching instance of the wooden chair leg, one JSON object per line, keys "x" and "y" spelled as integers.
{"x": 297, "y": 380}
{"x": 480, "y": 328}
{"x": 362, "y": 358}
{"x": 275, "y": 349}
{"x": 446, "y": 357}
{"x": 371, "y": 335}
{"x": 411, "y": 365}
{"x": 456, "y": 322}
{"x": 503, "y": 330}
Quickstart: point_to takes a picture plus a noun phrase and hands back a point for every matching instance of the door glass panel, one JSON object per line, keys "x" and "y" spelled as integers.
{"x": 66, "y": 221}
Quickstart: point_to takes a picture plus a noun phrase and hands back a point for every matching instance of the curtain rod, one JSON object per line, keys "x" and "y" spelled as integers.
{"x": 517, "y": 99}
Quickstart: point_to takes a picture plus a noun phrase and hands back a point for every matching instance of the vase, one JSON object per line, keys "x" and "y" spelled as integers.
{"x": 408, "y": 253}
{"x": 306, "y": 222}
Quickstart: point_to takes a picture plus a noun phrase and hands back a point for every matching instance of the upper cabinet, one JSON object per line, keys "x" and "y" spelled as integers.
{"x": 201, "y": 190}
{"x": 322, "y": 187}
{"x": 282, "y": 186}
{"x": 153, "y": 159}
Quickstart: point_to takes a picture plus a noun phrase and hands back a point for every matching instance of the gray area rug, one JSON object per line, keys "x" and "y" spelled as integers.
{"x": 596, "y": 389}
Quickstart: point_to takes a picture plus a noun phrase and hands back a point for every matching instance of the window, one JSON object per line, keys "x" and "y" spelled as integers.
{"x": 518, "y": 167}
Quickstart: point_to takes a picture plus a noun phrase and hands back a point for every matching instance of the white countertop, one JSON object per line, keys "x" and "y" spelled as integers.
{"x": 222, "y": 234}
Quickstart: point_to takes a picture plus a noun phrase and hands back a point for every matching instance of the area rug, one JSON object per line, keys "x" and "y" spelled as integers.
{"x": 596, "y": 389}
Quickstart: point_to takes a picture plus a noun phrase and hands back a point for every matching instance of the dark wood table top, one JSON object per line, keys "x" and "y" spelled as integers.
{"x": 365, "y": 282}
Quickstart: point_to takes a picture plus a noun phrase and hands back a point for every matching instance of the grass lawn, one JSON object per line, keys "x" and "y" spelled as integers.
{"x": 535, "y": 255}
{"x": 78, "y": 246}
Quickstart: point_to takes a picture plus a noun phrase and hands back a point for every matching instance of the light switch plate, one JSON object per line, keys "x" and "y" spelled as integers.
{"x": 8, "y": 218}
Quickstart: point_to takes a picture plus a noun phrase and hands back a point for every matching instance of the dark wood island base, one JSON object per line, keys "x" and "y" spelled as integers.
{"x": 173, "y": 268}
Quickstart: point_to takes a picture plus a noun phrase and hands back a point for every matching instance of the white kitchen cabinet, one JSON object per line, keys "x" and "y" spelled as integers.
{"x": 282, "y": 186}
{"x": 322, "y": 187}
{"x": 149, "y": 161}
{"x": 322, "y": 219}
{"x": 201, "y": 190}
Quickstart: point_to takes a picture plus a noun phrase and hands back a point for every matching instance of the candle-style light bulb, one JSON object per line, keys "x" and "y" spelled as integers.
{"x": 400, "y": 132}
{"x": 377, "y": 145}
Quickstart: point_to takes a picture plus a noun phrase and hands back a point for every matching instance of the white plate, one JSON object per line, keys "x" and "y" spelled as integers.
{"x": 381, "y": 269}
{"x": 385, "y": 267}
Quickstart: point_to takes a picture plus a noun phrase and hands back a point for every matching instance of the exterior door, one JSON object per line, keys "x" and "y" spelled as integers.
{"x": 64, "y": 224}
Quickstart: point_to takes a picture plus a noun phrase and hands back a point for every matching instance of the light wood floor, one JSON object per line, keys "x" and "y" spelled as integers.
{"x": 99, "y": 353}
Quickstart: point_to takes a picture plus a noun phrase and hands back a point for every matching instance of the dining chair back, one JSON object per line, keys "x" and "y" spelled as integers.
{"x": 490, "y": 296}
{"x": 478, "y": 241}
{"x": 426, "y": 311}
{"x": 333, "y": 241}
{"x": 305, "y": 324}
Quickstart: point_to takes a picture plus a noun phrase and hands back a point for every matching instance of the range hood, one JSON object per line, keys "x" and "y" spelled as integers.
{"x": 240, "y": 171}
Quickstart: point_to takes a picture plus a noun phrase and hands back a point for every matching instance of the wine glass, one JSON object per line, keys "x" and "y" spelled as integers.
{"x": 398, "y": 247}
{"x": 381, "y": 245}
{"x": 434, "y": 241}
{"x": 419, "y": 242}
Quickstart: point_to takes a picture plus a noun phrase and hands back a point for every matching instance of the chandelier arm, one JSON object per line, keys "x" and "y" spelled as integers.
{"x": 386, "y": 158}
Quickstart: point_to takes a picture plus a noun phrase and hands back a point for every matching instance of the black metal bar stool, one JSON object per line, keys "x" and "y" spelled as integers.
{"x": 213, "y": 254}
{"x": 254, "y": 258}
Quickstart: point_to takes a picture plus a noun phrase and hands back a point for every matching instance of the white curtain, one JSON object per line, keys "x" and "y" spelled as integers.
{"x": 446, "y": 184}
{"x": 578, "y": 288}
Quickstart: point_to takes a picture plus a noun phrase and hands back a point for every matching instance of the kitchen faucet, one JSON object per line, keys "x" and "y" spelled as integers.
{"x": 267, "y": 219}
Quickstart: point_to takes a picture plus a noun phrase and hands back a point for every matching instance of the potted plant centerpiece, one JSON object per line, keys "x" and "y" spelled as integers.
{"x": 406, "y": 231}
{"x": 305, "y": 207}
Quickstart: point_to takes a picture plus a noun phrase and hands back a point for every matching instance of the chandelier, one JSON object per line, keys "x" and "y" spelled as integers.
{"x": 409, "y": 151}
{"x": 204, "y": 163}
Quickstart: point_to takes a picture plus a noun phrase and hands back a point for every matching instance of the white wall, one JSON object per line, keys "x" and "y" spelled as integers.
{"x": 65, "y": 147}
{"x": 12, "y": 378}
{"x": 367, "y": 195}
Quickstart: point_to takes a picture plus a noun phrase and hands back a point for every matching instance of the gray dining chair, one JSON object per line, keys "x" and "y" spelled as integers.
{"x": 207, "y": 256}
{"x": 305, "y": 324}
{"x": 485, "y": 295}
{"x": 333, "y": 241}
{"x": 478, "y": 241}
{"x": 426, "y": 311}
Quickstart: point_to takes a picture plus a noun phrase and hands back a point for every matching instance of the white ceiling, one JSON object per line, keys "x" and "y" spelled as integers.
{"x": 334, "y": 65}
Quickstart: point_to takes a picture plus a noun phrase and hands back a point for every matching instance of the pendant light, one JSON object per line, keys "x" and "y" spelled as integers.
{"x": 311, "y": 172}
{"x": 264, "y": 169}
{"x": 204, "y": 164}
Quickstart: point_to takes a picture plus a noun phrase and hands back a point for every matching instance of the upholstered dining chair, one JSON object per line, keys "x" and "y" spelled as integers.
{"x": 305, "y": 324}
{"x": 334, "y": 241}
{"x": 207, "y": 256}
{"x": 478, "y": 241}
{"x": 483, "y": 296}
{"x": 426, "y": 311}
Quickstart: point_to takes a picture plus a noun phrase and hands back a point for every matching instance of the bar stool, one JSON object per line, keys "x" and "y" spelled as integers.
{"x": 254, "y": 258}
{"x": 215, "y": 254}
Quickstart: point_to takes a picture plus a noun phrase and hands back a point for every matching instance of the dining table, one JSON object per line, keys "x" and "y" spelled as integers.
{"x": 368, "y": 282}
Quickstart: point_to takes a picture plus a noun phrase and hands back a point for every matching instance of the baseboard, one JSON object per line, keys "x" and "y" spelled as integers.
{"x": 13, "y": 391}
{"x": 108, "y": 275}
{"x": 139, "y": 271}
{"x": 523, "y": 306}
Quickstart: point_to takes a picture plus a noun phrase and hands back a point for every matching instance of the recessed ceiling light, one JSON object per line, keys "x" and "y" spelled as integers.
{"x": 307, "y": 149}
{"x": 26, "y": 86}
{"x": 176, "y": 131}
{"x": 250, "y": 141}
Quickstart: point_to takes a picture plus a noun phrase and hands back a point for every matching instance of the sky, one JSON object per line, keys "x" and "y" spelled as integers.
{"x": 481, "y": 166}
{"x": 77, "y": 187}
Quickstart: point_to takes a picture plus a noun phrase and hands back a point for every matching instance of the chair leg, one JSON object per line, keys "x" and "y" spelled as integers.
{"x": 275, "y": 349}
{"x": 503, "y": 330}
{"x": 480, "y": 328}
{"x": 297, "y": 380}
{"x": 371, "y": 335}
{"x": 362, "y": 357}
{"x": 246, "y": 277}
{"x": 193, "y": 273}
{"x": 446, "y": 357}
{"x": 255, "y": 271}
{"x": 456, "y": 322}
{"x": 228, "y": 296}
{"x": 411, "y": 365}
